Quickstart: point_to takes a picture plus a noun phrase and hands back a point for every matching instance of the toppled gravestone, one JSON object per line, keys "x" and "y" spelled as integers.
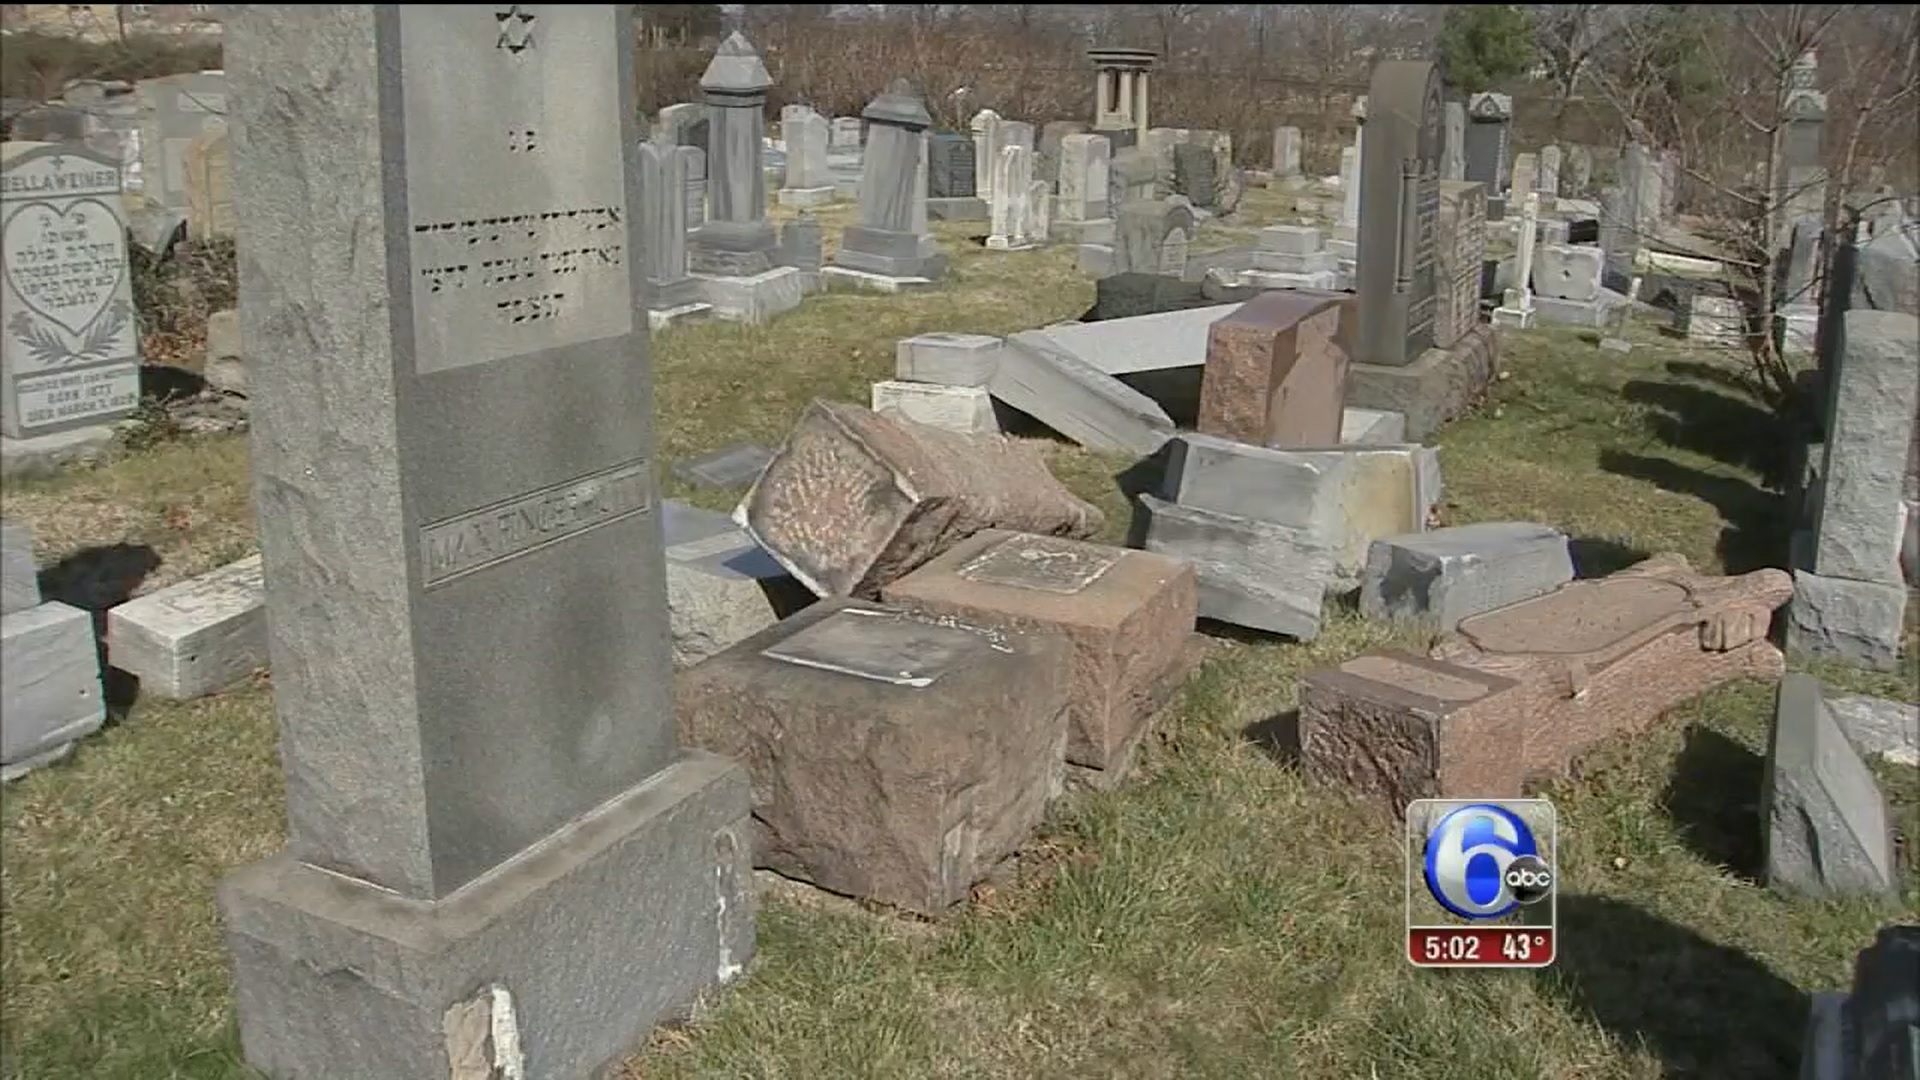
{"x": 896, "y": 756}
{"x": 1515, "y": 694}
{"x": 1450, "y": 574}
{"x": 853, "y": 499}
{"x": 1826, "y": 828}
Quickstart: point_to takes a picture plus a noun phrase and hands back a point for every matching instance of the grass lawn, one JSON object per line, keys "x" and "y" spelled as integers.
{"x": 1220, "y": 917}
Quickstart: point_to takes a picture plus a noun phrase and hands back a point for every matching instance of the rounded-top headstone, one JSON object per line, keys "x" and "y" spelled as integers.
{"x": 736, "y": 69}
{"x": 899, "y": 106}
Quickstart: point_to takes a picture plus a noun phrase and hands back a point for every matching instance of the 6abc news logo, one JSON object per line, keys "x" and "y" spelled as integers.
{"x": 1487, "y": 868}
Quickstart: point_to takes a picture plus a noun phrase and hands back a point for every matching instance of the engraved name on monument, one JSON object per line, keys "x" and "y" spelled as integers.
{"x": 518, "y": 257}
{"x": 1040, "y": 564}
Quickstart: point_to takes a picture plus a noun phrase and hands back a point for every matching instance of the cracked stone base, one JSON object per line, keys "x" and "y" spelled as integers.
{"x": 562, "y": 959}
{"x": 1436, "y": 388}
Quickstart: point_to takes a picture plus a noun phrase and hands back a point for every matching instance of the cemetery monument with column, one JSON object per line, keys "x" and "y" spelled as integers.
{"x": 891, "y": 249}
{"x": 733, "y": 253}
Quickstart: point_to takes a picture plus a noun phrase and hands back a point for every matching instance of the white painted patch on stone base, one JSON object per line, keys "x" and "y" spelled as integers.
{"x": 965, "y": 409}
{"x": 483, "y": 1038}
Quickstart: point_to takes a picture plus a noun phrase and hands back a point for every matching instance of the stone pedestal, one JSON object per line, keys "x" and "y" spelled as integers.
{"x": 736, "y": 240}
{"x": 500, "y": 861}
{"x": 891, "y": 241}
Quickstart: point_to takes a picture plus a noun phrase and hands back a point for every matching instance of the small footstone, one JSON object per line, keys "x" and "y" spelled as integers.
{"x": 1127, "y": 613}
{"x": 854, "y": 499}
{"x": 50, "y": 691}
{"x": 721, "y": 587}
{"x": 967, "y": 410}
{"x": 896, "y": 757}
{"x": 1826, "y": 827}
{"x": 1251, "y": 573}
{"x": 1450, "y": 574}
{"x": 728, "y": 467}
{"x": 193, "y": 638}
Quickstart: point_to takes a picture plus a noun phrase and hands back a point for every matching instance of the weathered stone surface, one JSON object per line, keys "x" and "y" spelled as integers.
{"x": 19, "y": 577}
{"x": 853, "y": 499}
{"x": 1146, "y": 342}
{"x": 1826, "y": 827}
{"x": 895, "y": 757}
{"x": 1881, "y": 1016}
{"x": 1437, "y": 388}
{"x": 1878, "y": 727}
{"x": 1371, "y": 427}
{"x": 195, "y": 637}
{"x": 226, "y": 366}
{"x": 1517, "y": 693}
{"x": 1254, "y": 574}
{"x": 50, "y": 692}
{"x": 1128, "y": 615}
{"x": 1399, "y": 217}
{"x": 1568, "y": 272}
{"x": 1277, "y": 372}
{"x": 1869, "y": 425}
{"x": 1056, "y": 387}
{"x": 721, "y": 587}
{"x": 1857, "y": 622}
{"x": 948, "y": 359}
{"x": 730, "y": 466}
{"x": 1341, "y": 499}
{"x": 1449, "y": 574}
{"x": 965, "y": 409}
{"x": 1460, "y": 249}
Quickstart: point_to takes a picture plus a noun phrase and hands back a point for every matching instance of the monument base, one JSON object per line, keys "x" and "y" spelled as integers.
{"x": 553, "y": 965}
{"x": 890, "y": 253}
{"x": 803, "y": 197}
{"x": 45, "y": 455}
{"x": 731, "y": 248}
{"x": 1513, "y": 318}
{"x": 1436, "y": 388}
{"x": 1010, "y": 243}
{"x": 957, "y": 208}
{"x": 867, "y": 281}
{"x": 753, "y": 298}
{"x": 659, "y": 319}
{"x": 1595, "y": 314}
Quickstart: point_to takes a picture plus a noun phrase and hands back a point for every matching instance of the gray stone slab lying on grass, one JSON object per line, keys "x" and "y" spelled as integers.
{"x": 731, "y": 466}
{"x": 1167, "y": 339}
{"x": 1449, "y": 574}
{"x": 948, "y": 359}
{"x": 1076, "y": 399}
{"x": 722, "y": 588}
{"x": 19, "y": 576}
{"x": 50, "y": 690}
{"x": 1825, "y": 825}
{"x": 1252, "y": 573}
{"x": 194, "y": 637}
{"x": 1856, "y": 622}
{"x": 1879, "y": 727}
{"x": 1372, "y": 427}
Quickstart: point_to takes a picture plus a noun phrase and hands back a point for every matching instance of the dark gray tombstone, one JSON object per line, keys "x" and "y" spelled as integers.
{"x": 500, "y": 862}
{"x": 1489, "y": 124}
{"x": 950, "y": 171}
{"x": 1399, "y": 212}
{"x": 1193, "y": 174}
{"x": 736, "y": 240}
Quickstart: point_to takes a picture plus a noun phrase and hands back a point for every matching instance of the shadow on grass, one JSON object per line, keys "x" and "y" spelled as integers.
{"x": 95, "y": 580}
{"x": 1755, "y": 530}
{"x": 1278, "y": 736}
{"x": 1594, "y": 557}
{"x": 1706, "y": 1009}
{"x": 1713, "y": 423}
{"x": 1713, "y": 797}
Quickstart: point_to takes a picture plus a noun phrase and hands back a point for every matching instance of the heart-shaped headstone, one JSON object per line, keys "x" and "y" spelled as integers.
{"x": 65, "y": 262}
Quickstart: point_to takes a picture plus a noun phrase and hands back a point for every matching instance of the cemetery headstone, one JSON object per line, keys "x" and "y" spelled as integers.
{"x": 891, "y": 242}
{"x": 684, "y": 124}
{"x": 1012, "y": 204}
{"x": 1399, "y": 213}
{"x": 985, "y": 127}
{"x": 1489, "y": 120}
{"x": 1516, "y": 308}
{"x": 175, "y": 110}
{"x": 1548, "y": 178}
{"x": 845, "y": 132}
{"x": 209, "y": 194}
{"x": 70, "y": 344}
{"x": 503, "y": 841}
{"x": 950, "y": 167}
{"x": 1085, "y": 161}
{"x": 736, "y": 240}
{"x": 809, "y": 182}
{"x": 1286, "y": 154}
{"x": 1826, "y": 831}
{"x": 1460, "y": 252}
{"x": 1276, "y": 372}
{"x": 672, "y": 294}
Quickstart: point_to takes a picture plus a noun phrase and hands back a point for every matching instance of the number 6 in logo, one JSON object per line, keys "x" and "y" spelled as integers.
{"x": 1467, "y": 857}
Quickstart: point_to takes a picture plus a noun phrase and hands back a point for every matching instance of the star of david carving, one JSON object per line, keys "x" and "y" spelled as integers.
{"x": 516, "y": 29}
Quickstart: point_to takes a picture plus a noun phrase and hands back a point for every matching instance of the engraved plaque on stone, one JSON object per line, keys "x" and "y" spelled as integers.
{"x": 1040, "y": 564}
{"x": 511, "y": 255}
{"x": 1584, "y": 617}
{"x": 884, "y": 646}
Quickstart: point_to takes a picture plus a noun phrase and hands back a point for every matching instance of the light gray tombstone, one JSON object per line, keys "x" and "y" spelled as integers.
{"x": 683, "y": 123}
{"x": 1526, "y": 176}
{"x": 845, "y": 132}
{"x": 1579, "y": 171}
{"x": 1399, "y": 213}
{"x": 1640, "y": 179}
{"x": 985, "y": 126}
{"x": 1547, "y": 181}
{"x": 809, "y": 181}
{"x": 1286, "y": 153}
{"x": 70, "y": 343}
{"x": 1084, "y": 163}
{"x": 175, "y": 110}
{"x": 1012, "y": 207}
{"x": 672, "y": 294}
{"x": 1348, "y": 224}
{"x": 736, "y": 240}
{"x": 693, "y": 174}
{"x": 1453, "y": 154}
{"x": 891, "y": 241}
{"x": 491, "y": 823}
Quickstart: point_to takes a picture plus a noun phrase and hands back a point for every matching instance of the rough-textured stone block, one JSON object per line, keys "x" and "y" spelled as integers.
{"x": 1869, "y": 426}
{"x": 1276, "y": 372}
{"x": 195, "y": 637}
{"x": 1449, "y": 574}
{"x": 1291, "y": 239}
{"x": 964, "y": 409}
{"x": 1078, "y": 400}
{"x": 1879, "y": 727}
{"x": 1251, "y": 573}
{"x": 721, "y": 587}
{"x": 50, "y": 691}
{"x": 1858, "y": 622}
{"x": 1436, "y": 388}
{"x": 19, "y": 576}
{"x": 1826, "y": 827}
{"x": 947, "y": 359}
{"x": 753, "y": 298}
{"x": 1517, "y": 693}
{"x": 1342, "y": 499}
{"x": 1127, "y": 613}
{"x": 895, "y": 757}
{"x": 1567, "y": 272}
{"x": 625, "y": 908}
{"x": 853, "y": 499}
